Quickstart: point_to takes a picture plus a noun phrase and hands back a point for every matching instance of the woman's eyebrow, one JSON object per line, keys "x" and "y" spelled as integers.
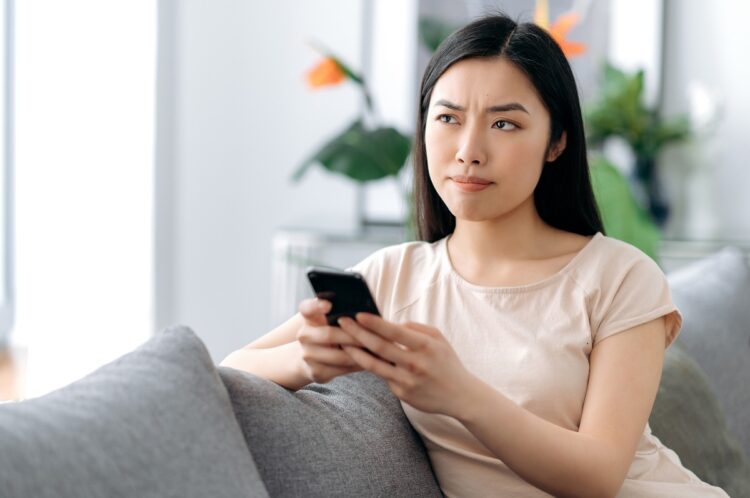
{"x": 511, "y": 106}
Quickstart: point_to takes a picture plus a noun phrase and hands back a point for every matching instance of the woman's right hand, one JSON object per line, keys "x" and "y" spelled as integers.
{"x": 322, "y": 355}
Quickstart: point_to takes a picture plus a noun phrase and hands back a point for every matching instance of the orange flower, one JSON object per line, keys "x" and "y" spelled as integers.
{"x": 326, "y": 73}
{"x": 559, "y": 29}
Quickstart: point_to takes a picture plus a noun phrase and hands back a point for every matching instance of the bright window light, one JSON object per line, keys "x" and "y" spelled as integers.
{"x": 85, "y": 110}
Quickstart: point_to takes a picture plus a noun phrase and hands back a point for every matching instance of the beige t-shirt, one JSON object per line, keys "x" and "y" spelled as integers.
{"x": 531, "y": 343}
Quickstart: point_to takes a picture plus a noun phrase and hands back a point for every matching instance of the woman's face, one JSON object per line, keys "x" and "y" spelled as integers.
{"x": 485, "y": 120}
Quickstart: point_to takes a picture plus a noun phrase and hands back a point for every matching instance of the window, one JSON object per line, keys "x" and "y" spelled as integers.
{"x": 6, "y": 201}
{"x": 84, "y": 139}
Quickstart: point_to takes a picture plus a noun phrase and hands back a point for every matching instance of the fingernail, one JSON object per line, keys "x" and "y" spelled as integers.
{"x": 323, "y": 305}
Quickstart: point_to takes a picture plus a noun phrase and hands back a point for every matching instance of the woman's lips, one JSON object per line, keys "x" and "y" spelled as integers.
{"x": 470, "y": 187}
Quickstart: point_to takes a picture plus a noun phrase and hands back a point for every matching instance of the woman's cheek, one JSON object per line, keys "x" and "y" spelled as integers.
{"x": 435, "y": 143}
{"x": 439, "y": 155}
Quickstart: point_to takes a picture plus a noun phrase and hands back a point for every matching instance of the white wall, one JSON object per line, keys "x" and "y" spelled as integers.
{"x": 644, "y": 51}
{"x": 706, "y": 44}
{"x": 238, "y": 120}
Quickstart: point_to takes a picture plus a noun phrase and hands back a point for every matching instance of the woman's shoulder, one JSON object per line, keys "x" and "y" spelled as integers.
{"x": 607, "y": 251}
{"x": 626, "y": 287}
{"x": 405, "y": 255}
{"x": 608, "y": 261}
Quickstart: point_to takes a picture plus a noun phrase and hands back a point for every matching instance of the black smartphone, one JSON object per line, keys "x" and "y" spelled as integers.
{"x": 346, "y": 290}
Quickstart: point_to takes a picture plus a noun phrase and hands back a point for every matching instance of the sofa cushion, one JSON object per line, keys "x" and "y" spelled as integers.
{"x": 348, "y": 437}
{"x": 714, "y": 297}
{"x": 687, "y": 418}
{"x": 155, "y": 422}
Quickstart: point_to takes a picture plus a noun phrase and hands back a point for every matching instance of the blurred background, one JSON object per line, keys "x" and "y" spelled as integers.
{"x": 182, "y": 161}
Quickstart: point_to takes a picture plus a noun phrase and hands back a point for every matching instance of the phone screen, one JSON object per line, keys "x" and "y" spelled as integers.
{"x": 347, "y": 291}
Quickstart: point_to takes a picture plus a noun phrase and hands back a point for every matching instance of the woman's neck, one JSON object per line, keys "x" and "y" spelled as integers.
{"x": 519, "y": 236}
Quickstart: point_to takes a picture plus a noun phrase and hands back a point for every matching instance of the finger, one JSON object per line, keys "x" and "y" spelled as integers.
{"x": 325, "y": 335}
{"x": 377, "y": 345}
{"x": 412, "y": 339}
{"x": 314, "y": 310}
{"x": 431, "y": 331}
{"x": 372, "y": 364}
{"x": 334, "y": 357}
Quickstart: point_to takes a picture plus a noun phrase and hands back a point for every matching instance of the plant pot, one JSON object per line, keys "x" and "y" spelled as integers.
{"x": 648, "y": 183}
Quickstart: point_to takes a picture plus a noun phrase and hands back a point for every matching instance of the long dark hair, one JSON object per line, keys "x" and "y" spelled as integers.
{"x": 563, "y": 197}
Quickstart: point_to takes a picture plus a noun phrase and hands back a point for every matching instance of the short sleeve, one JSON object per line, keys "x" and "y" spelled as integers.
{"x": 368, "y": 267}
{"x": 634, "y": 294}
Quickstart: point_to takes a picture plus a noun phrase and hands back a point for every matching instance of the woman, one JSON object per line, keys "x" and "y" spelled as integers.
{"x": 525, "y": 345}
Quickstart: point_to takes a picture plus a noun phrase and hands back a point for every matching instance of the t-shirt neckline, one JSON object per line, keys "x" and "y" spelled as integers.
{"x": 516, "y": 288}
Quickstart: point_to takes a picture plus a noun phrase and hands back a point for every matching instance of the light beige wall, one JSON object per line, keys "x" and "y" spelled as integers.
{"x": 236, "y": 119}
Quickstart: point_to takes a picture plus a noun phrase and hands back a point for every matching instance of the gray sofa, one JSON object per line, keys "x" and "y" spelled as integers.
{"x": 163, "y": 420}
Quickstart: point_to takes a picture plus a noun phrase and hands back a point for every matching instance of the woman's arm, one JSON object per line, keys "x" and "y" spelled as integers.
{"x": 625, "y": 370}
{"x": 302, "y": 350}
{"x": 277, "y": 356}
{"x": 423, "y": 370}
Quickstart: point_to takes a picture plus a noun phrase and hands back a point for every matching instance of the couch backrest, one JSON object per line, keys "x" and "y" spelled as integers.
{"x": 155, "y": 422}
{"x": 713, "y": 295}
{"x": 346, "y": 438}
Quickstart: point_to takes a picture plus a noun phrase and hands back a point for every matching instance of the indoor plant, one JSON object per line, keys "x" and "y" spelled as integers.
{"x": 620, "y": 111}
{"x": 362, "y": 152}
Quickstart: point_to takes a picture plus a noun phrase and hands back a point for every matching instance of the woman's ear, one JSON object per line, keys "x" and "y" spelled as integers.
{"x": 557, "y": 148}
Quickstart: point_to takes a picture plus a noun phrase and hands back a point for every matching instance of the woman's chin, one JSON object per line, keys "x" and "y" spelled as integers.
{"x": 470, "y": 214}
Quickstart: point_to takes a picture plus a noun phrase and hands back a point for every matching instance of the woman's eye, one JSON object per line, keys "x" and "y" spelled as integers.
{"x": 505, "y": 125}
{"x": 442, "y": 116}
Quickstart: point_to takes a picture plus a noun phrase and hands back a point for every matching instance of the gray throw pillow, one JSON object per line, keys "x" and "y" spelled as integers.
{"x": 348, "y": 437}
{"x": 155, "y": 422}
{"x": 713, "y": 295}
{"x": 687, "y": 418}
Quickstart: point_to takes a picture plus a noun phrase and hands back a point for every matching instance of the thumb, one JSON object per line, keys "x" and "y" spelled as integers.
{"x": 314, "y": 311}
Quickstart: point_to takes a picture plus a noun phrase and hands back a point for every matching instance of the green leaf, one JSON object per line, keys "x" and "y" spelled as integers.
{"x": 614, "y": 80}
{"x": 623, "y": 218}
{"x": 361, "y": 155}
{"x": 433, "y": 31}
{"x": 672, "y": 131}
{"x": 617, "y": 109}
{"x": 620, "y": 111}
{"x": 347, "y": 70}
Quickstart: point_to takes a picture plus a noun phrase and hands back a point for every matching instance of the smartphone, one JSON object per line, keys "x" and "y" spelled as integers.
{"x": 346, "y": 290}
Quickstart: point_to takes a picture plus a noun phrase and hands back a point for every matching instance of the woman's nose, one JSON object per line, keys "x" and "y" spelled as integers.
{"x": 471, "y": 149}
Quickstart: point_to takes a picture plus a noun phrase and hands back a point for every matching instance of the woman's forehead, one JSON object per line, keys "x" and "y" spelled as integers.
{"x": 485, "y": 81}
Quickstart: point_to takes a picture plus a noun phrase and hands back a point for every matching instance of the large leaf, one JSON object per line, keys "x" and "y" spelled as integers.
{"x": 622, "y": 216}
{"x": 360, "y": 154}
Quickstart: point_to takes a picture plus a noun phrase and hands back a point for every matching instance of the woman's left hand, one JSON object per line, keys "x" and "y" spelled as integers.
{"x": 419, "y": 364}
